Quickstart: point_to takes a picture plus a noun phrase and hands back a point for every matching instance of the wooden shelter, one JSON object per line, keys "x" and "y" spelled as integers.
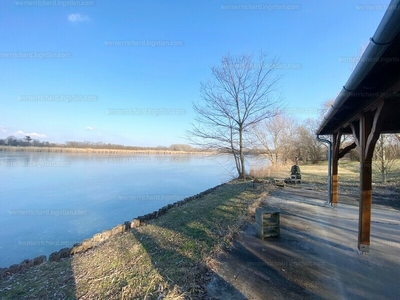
{"x": 368, "y": 105}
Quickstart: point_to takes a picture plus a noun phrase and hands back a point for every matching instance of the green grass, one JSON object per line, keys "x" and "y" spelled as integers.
{"x": 169, "y": 257}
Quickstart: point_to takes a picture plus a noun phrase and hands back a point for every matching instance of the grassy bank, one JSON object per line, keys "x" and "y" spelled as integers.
{"x": 349, "y": 173}
{"x": 168, "y": 257}
{"x": 314, "y": 177}
{"x": 90, "y": 150}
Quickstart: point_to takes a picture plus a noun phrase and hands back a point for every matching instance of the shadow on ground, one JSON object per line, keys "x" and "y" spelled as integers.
{"x": 198, "y": 280}
{"x": 315, "y": 256}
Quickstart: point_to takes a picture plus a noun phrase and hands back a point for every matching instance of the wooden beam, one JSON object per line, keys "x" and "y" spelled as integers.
{"x": 355, "y": 128}
{"x": 376, "y": 129}
{"x": 346, "y": 150}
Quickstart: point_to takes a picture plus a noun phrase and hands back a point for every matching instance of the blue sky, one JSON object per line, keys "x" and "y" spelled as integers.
{"x": 61, "y": 77}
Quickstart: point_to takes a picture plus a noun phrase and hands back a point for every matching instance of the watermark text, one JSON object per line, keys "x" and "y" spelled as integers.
{"x": 146, "y": 111}
{"x": 35, "y": 55}
{"x": 48, "y": 212}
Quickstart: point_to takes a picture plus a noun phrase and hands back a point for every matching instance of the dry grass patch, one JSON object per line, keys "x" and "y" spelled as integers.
{"x": 271, "y": 171}
{"x": 315, "y": 176}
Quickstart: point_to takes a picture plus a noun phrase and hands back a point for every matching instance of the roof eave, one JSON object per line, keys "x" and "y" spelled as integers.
{"x": 386, "y": 32}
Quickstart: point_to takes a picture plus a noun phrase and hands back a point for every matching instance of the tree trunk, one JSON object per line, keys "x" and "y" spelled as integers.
{"x": 242, "y": 174}
{"x": 237, "y": 163}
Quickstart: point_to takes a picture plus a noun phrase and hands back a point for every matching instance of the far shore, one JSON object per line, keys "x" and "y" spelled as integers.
{"x": 99, "y": 151}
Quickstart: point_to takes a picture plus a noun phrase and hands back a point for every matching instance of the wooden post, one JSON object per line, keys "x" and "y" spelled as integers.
{"x": 370, "y": 127}
{"x": 364, "y": 221}
{"x": 335, "y": 167}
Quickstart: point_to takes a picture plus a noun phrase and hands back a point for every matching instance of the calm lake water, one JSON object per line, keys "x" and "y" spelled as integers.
{"x": 53, "y": 200}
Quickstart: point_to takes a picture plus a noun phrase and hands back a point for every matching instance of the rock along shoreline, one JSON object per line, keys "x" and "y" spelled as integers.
{"x": 98, "y": 238}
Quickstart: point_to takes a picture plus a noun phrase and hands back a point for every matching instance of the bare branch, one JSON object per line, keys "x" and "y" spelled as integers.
{"x": 241, "y": 94}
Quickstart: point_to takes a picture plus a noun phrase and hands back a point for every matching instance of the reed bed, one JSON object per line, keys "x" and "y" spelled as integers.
{"x": 96, "y": 151}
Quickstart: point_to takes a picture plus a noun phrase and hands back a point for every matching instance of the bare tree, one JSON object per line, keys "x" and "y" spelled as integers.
{"x": 386, "y": 152}
{"x": 308, "y": 147}
{"x": 240, "y": 94}
{"x": 28, "y": 139}
{"x": 325, "y": 106}
{"x": 277, "y": 137}
{"x": 345, "y": 139}
{"x": 357, "y": 57}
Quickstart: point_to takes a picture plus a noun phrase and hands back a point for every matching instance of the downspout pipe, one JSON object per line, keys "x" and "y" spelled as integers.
{"x": 329, "y": 201}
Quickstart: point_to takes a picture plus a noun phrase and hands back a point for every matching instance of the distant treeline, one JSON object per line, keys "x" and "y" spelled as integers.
{"x": 29, "y": 142}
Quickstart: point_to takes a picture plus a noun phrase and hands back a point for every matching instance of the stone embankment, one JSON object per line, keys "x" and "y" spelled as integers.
{"x": 98, "y": 238}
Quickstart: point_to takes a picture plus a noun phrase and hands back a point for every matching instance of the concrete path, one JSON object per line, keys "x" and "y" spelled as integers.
{"x": 315, "y": 256}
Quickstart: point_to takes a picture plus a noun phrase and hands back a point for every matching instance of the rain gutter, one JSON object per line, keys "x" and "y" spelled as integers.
{"x": 386, "y": 32}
